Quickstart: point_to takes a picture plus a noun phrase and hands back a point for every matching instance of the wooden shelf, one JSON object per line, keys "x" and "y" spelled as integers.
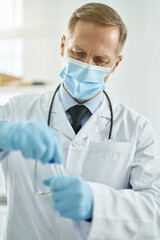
{"x": 27, "y": 89}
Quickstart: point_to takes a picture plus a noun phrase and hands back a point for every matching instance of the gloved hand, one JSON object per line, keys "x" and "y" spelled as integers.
{"x": 33, "y": 138}
{"x": 72, "y": 197}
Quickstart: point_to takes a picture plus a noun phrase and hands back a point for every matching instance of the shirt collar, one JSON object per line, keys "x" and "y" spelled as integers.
{"x": 67, "y": 101}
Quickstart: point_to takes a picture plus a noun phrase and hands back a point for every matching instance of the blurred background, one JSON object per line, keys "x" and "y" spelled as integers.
{"x": 30, "y": 35}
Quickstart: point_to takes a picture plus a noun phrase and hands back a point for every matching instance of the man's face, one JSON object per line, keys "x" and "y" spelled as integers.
{"x": 93, "y": 43}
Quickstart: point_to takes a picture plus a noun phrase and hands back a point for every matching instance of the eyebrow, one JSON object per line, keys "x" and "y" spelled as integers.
{"x": 104, "y": 57}
{"x": 76, "y": 46}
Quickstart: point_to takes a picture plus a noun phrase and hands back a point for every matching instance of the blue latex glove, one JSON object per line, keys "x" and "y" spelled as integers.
{"x": 72, "y": 197}
{"x": 33, "y": 138}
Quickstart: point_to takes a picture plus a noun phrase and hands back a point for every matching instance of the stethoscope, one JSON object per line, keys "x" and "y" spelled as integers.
{"x": 58, "y": 167}
{"x": 110, "y": 108}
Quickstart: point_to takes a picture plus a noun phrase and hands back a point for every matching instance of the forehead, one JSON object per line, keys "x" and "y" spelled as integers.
{"x": 92, "y": 35}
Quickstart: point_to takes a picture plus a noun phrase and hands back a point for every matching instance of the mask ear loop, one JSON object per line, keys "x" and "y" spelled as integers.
{"x": 114, "y": 65}
{"x": 65, "y": 55}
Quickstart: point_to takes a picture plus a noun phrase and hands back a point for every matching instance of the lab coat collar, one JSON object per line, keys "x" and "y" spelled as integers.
{"x": 97, "y": 122}
{"x": 104, "y": 110}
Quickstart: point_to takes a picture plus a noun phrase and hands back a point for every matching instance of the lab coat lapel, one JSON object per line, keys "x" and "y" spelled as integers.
{"x": 59, "y": 119}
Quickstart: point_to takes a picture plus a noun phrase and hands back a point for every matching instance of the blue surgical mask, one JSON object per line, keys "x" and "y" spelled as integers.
{"x": 82, "y": 80}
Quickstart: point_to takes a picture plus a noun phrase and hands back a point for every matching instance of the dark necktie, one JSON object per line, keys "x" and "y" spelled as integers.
{"x": 77, "y": 112}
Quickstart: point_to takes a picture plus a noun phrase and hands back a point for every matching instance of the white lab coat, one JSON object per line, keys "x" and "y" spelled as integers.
{"x": 124, "y": 175}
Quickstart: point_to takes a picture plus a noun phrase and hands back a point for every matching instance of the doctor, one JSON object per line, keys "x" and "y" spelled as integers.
{"x": 111, "y": 189}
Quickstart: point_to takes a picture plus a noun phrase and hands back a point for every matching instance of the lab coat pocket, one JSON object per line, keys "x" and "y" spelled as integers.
{"x": 103, "y": 162}
{"x": 111, "y": 146}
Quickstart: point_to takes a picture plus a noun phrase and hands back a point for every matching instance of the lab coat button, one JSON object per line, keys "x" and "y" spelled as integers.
{"x": 73, "y": 144}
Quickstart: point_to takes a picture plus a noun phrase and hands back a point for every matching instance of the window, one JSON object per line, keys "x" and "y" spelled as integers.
{"x": 11, "y": 46}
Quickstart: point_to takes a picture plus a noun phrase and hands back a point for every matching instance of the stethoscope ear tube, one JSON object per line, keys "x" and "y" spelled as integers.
{"x": 110, "y": 107}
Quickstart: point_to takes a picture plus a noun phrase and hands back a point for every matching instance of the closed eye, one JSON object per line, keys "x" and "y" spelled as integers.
{"x": 101, "y": 61}
{"x": 78, "y": 53}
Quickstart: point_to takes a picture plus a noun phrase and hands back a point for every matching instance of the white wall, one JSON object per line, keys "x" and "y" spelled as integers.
{"x": 135, "y": 83}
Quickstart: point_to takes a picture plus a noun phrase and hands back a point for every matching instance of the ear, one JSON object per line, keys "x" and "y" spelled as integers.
{"x": 63, "y": 43}
{"x": 117, "y": 63}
